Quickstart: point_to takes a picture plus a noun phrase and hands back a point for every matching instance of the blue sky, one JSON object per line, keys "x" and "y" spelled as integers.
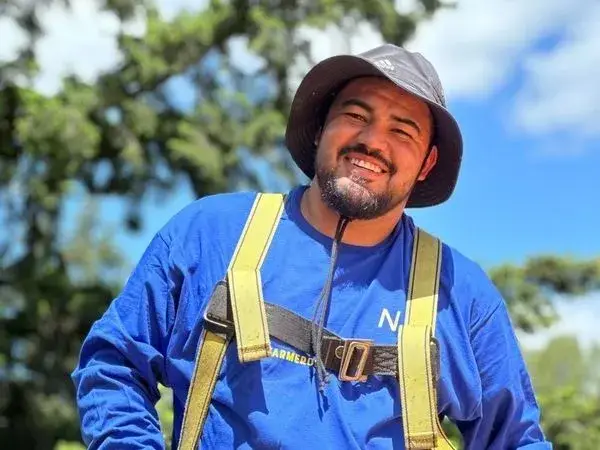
{"x": 515, "y": 198}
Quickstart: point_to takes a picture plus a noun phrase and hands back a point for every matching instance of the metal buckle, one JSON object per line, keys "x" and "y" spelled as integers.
{"x": 349, "y": 348}
{"x": 216, "y": 311}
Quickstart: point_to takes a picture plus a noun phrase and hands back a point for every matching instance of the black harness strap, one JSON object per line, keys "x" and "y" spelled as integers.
{"x": 352, "y": 359}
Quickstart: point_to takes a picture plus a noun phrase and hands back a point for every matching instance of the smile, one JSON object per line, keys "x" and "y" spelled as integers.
{"x": 366, "y": 165}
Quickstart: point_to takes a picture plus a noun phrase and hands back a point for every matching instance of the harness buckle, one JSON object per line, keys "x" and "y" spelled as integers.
{"x": 217, "y": 315}
{"x": 350, "y": 348}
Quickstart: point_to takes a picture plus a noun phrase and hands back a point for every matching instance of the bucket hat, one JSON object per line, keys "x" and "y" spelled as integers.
{"x": 409, "y": 71}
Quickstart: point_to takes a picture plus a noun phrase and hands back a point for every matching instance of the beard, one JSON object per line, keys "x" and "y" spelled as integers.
{"x": 351, "y": 196}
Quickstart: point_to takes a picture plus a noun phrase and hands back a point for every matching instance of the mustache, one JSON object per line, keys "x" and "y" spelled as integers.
{"x": 363, "y": 149}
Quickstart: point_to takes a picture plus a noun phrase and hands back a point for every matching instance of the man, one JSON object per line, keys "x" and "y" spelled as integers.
{"x": 373, "y": 134}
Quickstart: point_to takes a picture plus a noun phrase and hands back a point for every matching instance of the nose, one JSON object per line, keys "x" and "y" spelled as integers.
{"x": 373, "y": 137}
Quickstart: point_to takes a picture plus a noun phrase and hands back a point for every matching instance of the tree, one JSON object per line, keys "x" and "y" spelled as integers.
{"x": 567, "y": 380}
{"x": 529, "y": 289}
{"x": 125, "y": 136}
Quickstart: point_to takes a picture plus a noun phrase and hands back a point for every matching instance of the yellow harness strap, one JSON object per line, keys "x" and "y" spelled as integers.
{"x": 244, "y": 281}
{"x": 418, "y": 395}
{"x": 207, "y": 367}
{"x": 251, "y": 330}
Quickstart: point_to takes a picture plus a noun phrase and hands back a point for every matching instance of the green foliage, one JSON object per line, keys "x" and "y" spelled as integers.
{"x": 64, "y": 445}
{"x": 165, "y": 414}
{"x": 528, "y": 290}
{"x": 567, "y": 381}
{"x": 453, "y": 434}
{"x": 41, "y": 338}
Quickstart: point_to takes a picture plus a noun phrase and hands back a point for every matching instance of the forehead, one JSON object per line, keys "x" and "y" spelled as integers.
{"x": 382, "y": 93}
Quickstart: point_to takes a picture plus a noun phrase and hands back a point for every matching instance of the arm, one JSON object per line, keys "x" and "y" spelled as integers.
{"x": 509, "y": 416}
{"x": 122, "y": 358}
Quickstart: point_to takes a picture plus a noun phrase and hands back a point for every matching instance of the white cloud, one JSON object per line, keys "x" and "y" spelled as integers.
{"x": 562, "y": 89}
{"x": 578, "y": 317}
{"x": 79, "y": 40}
{"x": 408, "y": 6}
{"x": 13, "y": 39}
{"x": 170, "y": 8}
{"x": 242, "y": 58}
{"x": 347, "y": 38}
{"x": 476, "y": 45}
{"x": 331, "y": 41}
{"x": 479, "y": 46}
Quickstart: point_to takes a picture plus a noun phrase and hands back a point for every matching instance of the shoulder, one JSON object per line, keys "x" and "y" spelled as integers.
{"x": 468, "y": 285}
{"x": 208, "y": 214}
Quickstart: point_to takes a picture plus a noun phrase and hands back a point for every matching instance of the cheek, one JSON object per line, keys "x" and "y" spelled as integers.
{"x": 407, "y": 160}
{"x": 336, "y": 134}
{"x": 328, "y": 148}
{"x": 407, "y": 168}
{"x": 325, "y": 158}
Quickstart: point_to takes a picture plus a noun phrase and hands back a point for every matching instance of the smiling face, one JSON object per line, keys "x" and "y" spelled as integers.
{"x": 372, "y": 148}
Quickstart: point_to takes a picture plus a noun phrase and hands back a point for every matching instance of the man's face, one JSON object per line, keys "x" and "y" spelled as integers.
{"x": 372, "y": 148}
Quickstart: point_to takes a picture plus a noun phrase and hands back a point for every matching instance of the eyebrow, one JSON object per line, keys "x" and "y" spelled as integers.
{"x": 365, "y": 106}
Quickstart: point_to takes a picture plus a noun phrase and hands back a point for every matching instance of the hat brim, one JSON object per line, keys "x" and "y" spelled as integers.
{"x": 319, "y": 87}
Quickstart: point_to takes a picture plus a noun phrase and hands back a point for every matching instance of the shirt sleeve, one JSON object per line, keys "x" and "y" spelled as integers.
{"x": 122, "y": 358}
{"x": 508, "y": 416}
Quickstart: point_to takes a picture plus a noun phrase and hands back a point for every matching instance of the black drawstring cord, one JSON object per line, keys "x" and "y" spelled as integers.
{"x": 322, "y": 306}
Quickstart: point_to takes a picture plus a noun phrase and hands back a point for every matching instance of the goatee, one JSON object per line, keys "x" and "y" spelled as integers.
{"x": 351, "y": 199}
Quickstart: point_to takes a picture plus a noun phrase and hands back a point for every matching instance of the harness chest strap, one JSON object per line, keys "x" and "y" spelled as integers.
{"x": 413, "y": 364}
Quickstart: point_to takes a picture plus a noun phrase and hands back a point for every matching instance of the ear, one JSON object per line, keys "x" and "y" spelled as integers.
{"x": 429, "y": 163}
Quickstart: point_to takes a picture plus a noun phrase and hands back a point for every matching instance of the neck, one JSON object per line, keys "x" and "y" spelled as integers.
{"x": 358, "y": 232}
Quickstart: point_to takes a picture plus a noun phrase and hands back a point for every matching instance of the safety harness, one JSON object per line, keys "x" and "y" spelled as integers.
{"x": 237, "y": 309}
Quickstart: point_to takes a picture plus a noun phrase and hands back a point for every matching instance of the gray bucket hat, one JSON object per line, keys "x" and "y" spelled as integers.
{"x": 409, "y": 71}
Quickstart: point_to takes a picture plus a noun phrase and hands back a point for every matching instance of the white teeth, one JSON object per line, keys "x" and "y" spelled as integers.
{"x": 365, "y": 165}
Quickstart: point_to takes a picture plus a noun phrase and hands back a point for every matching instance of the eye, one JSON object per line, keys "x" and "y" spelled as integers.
{"x": 401, "y": 132}
{"x": 356, "y": 116}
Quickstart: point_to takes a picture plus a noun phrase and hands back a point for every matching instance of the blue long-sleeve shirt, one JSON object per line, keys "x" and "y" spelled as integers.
{"x": 150, "y": 332}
